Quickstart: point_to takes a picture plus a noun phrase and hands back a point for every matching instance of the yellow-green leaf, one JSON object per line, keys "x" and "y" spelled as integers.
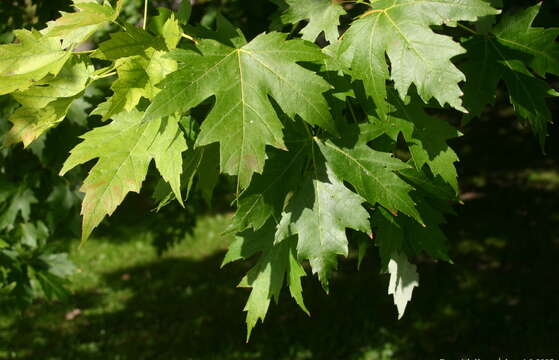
{"x": 125, "y": 147}
{"x": 29, "y": 60}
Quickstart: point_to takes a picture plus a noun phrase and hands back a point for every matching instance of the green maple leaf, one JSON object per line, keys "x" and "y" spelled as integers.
{"x": 167, "y": 26}
{"x": 372, "y": 173}
{"x": 125, "y": 147}
{"x": 29, "y": 60}
{"x": 322, "y": 15}
{"x": 46, "y": 103}
{"x": 137, "y": 77}
{"x": 425, "y": 135}
{"x": 487, "y": 62}
{"x": 243, "y": 119}
{"x": 418, "y": 55}
{"x": 30, "y": 123}
{"x": 74, "y": 28}
{"x": 136, "y": 41}
{"x": 516, "y": 31}
{"x": 202, "y": 162}
{"x": 72, "y": 80}
{"x": 18, "y": 203}
{"x": 277, "y": 263}
{"x": 319, "y": 213}
{"x": 140, "y": 61}
{"x": 167, "y": 150}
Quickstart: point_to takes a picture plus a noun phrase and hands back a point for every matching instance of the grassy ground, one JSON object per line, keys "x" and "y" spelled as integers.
{"x": 499, "y": 299}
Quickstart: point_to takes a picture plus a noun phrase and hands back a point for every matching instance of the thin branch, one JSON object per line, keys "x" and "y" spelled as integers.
{"x": 145, "y": 14}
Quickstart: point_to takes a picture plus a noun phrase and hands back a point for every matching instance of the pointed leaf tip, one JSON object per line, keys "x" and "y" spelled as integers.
{"x": 403, "y": 278}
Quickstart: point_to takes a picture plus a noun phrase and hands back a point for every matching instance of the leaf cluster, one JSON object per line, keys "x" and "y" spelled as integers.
{"x": 325, "y": 122}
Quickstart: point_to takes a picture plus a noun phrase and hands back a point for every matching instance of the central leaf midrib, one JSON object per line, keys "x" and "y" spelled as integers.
{"x": 410, "y": 43}
{"x": 241, "y": 82}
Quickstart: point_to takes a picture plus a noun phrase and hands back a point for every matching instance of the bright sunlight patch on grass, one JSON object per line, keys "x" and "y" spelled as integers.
{"x": 103, "y": 255}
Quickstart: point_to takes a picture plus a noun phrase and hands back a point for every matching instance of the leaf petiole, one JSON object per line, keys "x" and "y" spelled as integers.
{"x": 85, "y": 52}
{"x": 186, "y": 36}
{"x": 101, "y": 76}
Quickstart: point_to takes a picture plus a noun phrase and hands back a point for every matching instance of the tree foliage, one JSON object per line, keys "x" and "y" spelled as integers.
{"x": 326, "y": 123}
